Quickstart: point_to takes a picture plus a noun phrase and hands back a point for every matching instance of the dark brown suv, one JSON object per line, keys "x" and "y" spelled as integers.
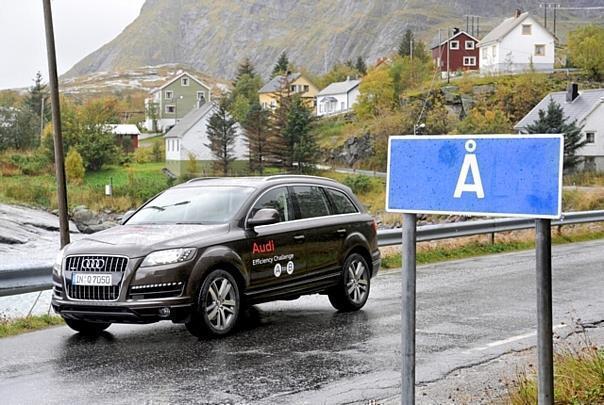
{"x": 199, "y": 252}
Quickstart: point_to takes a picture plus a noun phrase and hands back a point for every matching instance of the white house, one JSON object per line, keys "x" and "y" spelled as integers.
{"x": 587, "y": 108}
{"x": 189, "y": 138}
{"x": 337, "y": 98}
{"x": 519, "y": 43}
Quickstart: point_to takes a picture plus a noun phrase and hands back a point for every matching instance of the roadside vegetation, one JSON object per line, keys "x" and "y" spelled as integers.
{"x": 578, "y": 378}
{"x": 11, "y": 327}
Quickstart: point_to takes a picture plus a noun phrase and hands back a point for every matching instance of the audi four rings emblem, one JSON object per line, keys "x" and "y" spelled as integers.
{"x": 93, "y": 264}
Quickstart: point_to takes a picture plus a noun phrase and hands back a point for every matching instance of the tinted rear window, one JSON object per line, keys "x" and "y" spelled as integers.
{"x": 341, "y": 202}
{"x": 311, "y": 201}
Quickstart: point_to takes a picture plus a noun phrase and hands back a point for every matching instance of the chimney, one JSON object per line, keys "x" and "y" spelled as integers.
{"x": 517, "y": 13}
{"x": 572, "y": 92}
{"x": 455, "y": 30}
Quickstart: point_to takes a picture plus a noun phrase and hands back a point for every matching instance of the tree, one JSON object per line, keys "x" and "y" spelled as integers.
{"x": 222, "y": 134}
{"x": 376, "y": 94}
{"x": 301, "y": 145}
{"x": 36, "y": 100}
{"x": 404, "y": 48}
{"x": 244, "y": 94}
{"x": 585, "y": 49}
{"x": 360, "y": 66}
{"x": 282, "y": 65}
{"x": 484, "y": 121}
{"x": 553, "y": 121}
{"x": 257, "y": 129}
{"x": 74, "y": 167}
{"x": 517, "y": 96}
{"x": 338, "y": 73}
{"x": 245, "y": 68}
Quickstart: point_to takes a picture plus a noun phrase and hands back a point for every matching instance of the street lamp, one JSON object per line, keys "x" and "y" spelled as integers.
{"x": 418, "y": 126}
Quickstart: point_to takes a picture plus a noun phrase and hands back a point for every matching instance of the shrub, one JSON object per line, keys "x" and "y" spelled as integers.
{"x": 191, "y": 167}
{"x": 359, "y": 184}
{"x": 158, "y": 151}
{"x": 30, "y": 192}
{"x": 74, "y": 167}
{"x": 30, "y": 164}
{"x": 143, "y": 155}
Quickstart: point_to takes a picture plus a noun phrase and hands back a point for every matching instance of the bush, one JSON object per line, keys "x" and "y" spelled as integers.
{"x": 30, "y": 164}
{"x": 143, "y": 155}
{"x": 158, "y": 151}
{"x": 359, "y": 184}
{"x": 140, "y": 188}
{"x": 30, "y": 192}
{"x": 74, "y": 167}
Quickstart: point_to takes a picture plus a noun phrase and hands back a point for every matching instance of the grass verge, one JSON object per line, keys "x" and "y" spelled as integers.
{"x": 475, "y": 248}
{"x": 11, "y": 327}
{"x": 578, "y": 379}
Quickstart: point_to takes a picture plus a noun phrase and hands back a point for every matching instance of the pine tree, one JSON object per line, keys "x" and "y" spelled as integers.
{"x": 361, "y": 66}
{"x": 553, "y": 121}
{"x": 36, "y": 95}
{"x": 282, "y": 65}
{"x": 404, "y": 48}
{"x": 257, "y": 129}
{"x": 245, "y": 68}
{"x": 300, "y": 143}
{"x": 222, "y": 134}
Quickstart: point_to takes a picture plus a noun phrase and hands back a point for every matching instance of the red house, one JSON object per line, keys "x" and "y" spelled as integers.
{"x": 457, "y": 53}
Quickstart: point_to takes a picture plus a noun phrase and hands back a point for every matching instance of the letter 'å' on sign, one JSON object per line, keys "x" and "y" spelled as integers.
{"x": 488, "y": 175}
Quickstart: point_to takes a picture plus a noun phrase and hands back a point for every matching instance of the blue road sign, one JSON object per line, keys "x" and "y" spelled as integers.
{"x": 490, "y": 175}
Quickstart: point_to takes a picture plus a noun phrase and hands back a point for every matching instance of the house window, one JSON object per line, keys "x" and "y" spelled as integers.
{"x": 306, "y": 87}
{"x": 470, "y": 45}
{"x": 169, "y": 94}
{"x": 200, "y": 95}
{"x": 177, "y": 145}
{"x": 526, "y": 29}
{"x": 184, "y": 81}
{"x": 484, "y": 54}
{"x": 293, "y": 88}
{"x": 590, "y": 137}
{"x": 342, "y": 106}
{"x": 454, "y": 45}
{"x": 539, "y": 50}
{"x": 494, "y": 51}
{"x": 469, "y": 61}
{"x": 170, "y": 109}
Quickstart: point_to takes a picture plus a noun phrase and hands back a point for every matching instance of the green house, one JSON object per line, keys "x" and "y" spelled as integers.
{"x": 167, "y": 104}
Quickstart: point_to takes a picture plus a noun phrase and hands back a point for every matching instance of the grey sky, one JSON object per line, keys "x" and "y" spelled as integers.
{"x": 81, "y": 26}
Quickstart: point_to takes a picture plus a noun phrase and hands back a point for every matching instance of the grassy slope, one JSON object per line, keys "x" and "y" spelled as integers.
{"x": 11, "y": 327}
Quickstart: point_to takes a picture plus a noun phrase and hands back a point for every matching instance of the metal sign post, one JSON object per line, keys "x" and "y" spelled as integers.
{"x": 545, "y": 374}
{"x": 478, "y": 175}
{"x": 408, "y": 309}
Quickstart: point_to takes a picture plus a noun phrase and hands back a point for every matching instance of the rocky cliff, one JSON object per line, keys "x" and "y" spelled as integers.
{"x": 213, "y": 36}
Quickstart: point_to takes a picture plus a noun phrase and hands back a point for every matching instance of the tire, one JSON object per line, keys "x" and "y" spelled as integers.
{"x": 218, "y": 306}
{"x": 352, "y": 291}
{"x": 87, "y": 328}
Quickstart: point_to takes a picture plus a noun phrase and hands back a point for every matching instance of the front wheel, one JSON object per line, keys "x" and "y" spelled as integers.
{"x": 218, "y": 305}
{"x": 87, "y": 328}
{"x": 353, "y": 289}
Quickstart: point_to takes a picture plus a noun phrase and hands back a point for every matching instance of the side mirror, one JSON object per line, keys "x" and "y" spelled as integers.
{"x": 127, "y": 216}
{"x": 265, "y": 216}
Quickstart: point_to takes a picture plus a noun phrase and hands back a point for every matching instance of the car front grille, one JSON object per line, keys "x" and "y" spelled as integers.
{"x": 95, "y": 264}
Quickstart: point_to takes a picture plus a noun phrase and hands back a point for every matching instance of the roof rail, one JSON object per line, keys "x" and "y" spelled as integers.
{"x": 296, "y": 176}
{"x": 200, "y": 179}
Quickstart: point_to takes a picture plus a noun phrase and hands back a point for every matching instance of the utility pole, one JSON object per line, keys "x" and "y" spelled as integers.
{"x": 472, "y": 24}
{"x": 42, "y": 117}
{"x": 411, "y": 49}
{"x": 448, "y": 55}
{"x": 56, "y": 124}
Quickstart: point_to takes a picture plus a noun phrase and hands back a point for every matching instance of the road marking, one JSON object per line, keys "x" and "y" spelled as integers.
{"x": 510, "y": 340}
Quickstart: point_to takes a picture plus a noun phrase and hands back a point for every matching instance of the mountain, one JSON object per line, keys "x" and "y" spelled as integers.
{"x": 213, "y": 36}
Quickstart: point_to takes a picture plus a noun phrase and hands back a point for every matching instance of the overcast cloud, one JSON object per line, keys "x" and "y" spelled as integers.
{"x": 81, "y": 26}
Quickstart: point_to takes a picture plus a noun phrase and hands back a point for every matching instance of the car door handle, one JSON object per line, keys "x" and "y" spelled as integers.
{"x": 342, "y": 231}
{"x": 299, "y": 238}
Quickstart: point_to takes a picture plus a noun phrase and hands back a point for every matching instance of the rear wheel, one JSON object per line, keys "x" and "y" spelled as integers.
{"x": 87, "y": 328}
{"x": 218, "y": 306}
{"x": 353, "y": 289}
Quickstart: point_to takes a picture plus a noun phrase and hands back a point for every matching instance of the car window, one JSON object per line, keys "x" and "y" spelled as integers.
{"x": 341, "y": 202}
{"x": 278, "y": 199}
{"x": 311, "y": 201}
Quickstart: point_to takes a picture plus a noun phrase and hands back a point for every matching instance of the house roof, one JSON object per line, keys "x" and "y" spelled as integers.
{"x": 277, "y": 82}
{"x": 169, "y": 82}
{"x": 339, "y": 88}
{"x": 506, "y": 26}
{"x": 193, "y": 117}
{"x": 579, "y": 109}
{"x": 436, "y": 44}
{"x": 124, "y": 129}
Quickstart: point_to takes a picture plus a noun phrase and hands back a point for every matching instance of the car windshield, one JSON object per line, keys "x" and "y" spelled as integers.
{"x": 192, "y": 205}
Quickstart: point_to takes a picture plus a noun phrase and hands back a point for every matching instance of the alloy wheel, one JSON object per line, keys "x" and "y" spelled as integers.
{"x": 356, "y": 285}
{"x": 221, "y": 303}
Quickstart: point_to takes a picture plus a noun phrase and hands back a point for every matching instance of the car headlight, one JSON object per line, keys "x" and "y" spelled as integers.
{"x": 169, "y": 256}
{"x": 57, "y": 267}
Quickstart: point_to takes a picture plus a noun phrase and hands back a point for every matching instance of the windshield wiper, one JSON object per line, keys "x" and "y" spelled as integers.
{"x": 155, "y": 207}
{"x": 163, "y": 207}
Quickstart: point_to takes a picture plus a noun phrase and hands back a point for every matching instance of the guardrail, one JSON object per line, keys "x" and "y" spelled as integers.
{"x": 38, "y": 278}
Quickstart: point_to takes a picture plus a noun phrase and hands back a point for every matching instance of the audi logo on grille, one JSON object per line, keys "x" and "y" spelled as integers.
{"x": 93, "y": 264}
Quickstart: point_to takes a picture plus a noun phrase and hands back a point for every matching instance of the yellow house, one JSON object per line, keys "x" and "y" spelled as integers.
{"x": 283, "y": 85}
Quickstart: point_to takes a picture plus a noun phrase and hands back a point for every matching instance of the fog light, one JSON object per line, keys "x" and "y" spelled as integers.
{"x": 164, "y": 312}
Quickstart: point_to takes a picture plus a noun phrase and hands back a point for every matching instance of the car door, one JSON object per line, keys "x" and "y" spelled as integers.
{"x": 277, "y": 251}
{"x": 320, "y": 230}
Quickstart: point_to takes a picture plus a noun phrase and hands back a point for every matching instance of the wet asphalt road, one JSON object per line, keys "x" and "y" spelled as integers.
{"x": 304, "y": 352}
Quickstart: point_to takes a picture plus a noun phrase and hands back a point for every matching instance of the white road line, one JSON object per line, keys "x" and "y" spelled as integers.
{"x": 510, "y": 340}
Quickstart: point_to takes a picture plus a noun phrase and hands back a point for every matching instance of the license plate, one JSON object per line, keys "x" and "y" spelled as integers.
{"x": 98, "y": 279}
